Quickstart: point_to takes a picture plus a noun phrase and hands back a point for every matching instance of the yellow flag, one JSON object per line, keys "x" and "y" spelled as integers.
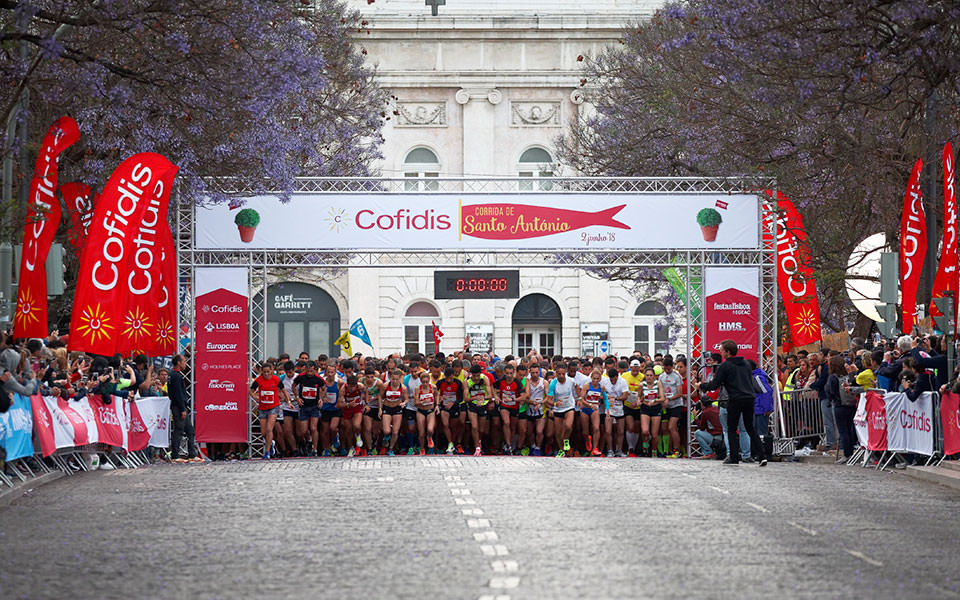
{"x": 344, "y": 340}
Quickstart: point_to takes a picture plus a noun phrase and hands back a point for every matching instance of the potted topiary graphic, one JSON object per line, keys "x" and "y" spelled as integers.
{"x": 709, "y": 220}
{"x": 247, "y": 221}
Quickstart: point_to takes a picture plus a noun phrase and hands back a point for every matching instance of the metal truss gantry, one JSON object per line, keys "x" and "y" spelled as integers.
{"x": 692, "y": 263}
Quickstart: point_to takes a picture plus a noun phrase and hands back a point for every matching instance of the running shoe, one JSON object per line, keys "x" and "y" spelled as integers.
{"x": 460, "y": 449}
{"x": 609, "y": 453}
{"x": 596, "y": 452}
{"x": 566, "y": 445}
{"x": 359, "y": 442}
{"x": 537, "y": 451}
{"x": 589, "y": 443}
{"x": 450, "y": 448}
{"x": 525, "y": 452}
{"x": 632, "y": 453}
{"x": 326, "y": 453}
{"x": 351, "y": 453}
{"x": 560, "y": 454}
{"x": 674, "y": 454}
{"x": 619, "y": 454}
{"x": 422, "y": 452}
{"x": 374, "y": 452}
{"x": 411, "y": 451}
{"x": 430, "y": 443}
{"x": 391, "y": 453}
{"x": 478, "y": 452}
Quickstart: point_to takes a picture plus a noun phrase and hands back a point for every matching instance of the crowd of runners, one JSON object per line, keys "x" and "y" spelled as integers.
{"x": 459, "y": 404}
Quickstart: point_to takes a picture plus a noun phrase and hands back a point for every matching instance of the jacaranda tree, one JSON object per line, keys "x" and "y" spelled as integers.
{"x": 834, "y": 99}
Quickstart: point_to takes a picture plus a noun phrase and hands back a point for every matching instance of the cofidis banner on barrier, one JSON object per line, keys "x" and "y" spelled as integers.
{"x": 950, "y": 420}
{"x": 876, "y": 422}
{"x": 16, "y": 428}
{"x": 487, "y": 221}
{"x": 732, "y": 309}
{"x": 220, "y": 358}
{"x": 62, "y": 423}
{"x": 909, "y": 423}
{"x": 860, "y": 421}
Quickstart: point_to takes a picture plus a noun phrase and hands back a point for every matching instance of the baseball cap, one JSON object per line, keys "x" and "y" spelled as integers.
{"x": 635, "y": 363}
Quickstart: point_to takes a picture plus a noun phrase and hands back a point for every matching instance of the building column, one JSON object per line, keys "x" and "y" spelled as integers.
{"x": 479, "y": 126}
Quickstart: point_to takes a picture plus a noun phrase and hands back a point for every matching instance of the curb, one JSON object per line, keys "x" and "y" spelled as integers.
{"x": 23, "y": 488}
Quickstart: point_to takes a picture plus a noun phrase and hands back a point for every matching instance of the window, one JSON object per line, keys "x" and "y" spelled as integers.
{"x": 537, "y": 322}
{"x": 421, "y": 166}
{"x": 650, "y": 334}
{"x": 418, "y": 328}
{"x": 535, "y": 163}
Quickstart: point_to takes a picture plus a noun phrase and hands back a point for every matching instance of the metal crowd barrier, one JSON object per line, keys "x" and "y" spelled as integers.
{"x": 862, "y": 456}
{"x": 798, "y": 420}
{"x": 68, "y": 461}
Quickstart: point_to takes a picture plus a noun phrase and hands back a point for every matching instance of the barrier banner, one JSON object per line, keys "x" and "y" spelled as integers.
{"x": 453, "y": 221}
{"x": 221, "y": 360}
{"x": 909, "y": 423}
{"x": 155, "y": 414}
{"x": 860, "y": 421}
{"x": 732, "y": 309}
{"x": 950, "y": 422}
{"x": 54, "y": 429}
{"x": 16, "y": 428}
{"x": 137, "y": 435}
{"x": 876, "y": 422}
{"x": 43, "y": 217}
{"x": 115, "y": 243}
{"x": 913, "y": 247}
{"x": 111, "y": 420}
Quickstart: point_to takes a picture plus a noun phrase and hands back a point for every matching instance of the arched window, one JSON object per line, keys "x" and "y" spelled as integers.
{"x": 421, "y": 165}
{"x": 537, "y": 323}
{"x": 536, "y": 163}
{"x": 650, "y": 334}
{"x": 418, "y": 328}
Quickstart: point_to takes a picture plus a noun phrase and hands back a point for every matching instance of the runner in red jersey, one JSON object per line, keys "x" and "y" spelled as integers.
{"x": 450, "y": 392}
{"x": 351, "y": 402}
{"x": 393, "y": 396}
{"x": 510, "y": 393}
{"x": 427, "y": 409}
{"x": 267, "y": 390}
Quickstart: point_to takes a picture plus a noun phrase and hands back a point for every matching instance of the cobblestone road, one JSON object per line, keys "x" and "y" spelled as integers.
{"x": 450, "y": 527}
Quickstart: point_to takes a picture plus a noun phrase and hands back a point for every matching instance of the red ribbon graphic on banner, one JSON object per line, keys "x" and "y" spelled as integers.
{"x": 519, "y": 221}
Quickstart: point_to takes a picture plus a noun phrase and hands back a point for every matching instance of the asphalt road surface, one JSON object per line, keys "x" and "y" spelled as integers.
{"x": 497, "y": 527}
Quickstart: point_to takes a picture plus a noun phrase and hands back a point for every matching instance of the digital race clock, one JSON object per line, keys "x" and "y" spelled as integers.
{"x": 449, "y": 285}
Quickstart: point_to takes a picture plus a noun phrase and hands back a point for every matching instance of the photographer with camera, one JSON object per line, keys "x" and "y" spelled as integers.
{"x": 15, "y": 377}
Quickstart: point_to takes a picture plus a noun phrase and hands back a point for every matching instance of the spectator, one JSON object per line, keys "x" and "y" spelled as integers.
{"x": 843, "y": 410}
{"x": 709, "y": 433}
{"x": 180, "y": 406}
{"x": 763, "y": 404}
{"x": 734, "y": 375}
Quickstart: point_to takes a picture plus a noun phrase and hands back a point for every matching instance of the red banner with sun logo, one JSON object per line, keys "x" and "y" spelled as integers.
{"x": 43, "y": 217}
{"x": 141, "y": 317}
{"x": 165, "y": 340}
{"x": 115, "y": 247}
{"x": 795, "y": 275}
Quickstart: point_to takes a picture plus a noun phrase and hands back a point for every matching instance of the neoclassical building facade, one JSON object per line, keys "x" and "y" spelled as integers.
{"x": 485, "y": 88}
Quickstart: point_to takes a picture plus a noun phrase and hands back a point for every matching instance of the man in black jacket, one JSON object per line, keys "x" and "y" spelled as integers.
{"x": 735, "y": 376}
{"x": 180, "y": 407}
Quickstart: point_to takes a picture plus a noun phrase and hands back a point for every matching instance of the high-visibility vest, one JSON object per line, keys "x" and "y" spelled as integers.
{"x": 790, "y": 384}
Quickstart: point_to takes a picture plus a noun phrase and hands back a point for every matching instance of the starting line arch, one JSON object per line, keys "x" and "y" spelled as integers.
{"x": 477, "y": 230}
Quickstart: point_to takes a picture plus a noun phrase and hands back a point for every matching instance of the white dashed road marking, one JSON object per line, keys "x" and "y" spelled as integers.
{"x": 802, "y": 528}
{"x": 721, "y": 490}
{"x": 478, "y": 523}
{"x": 504, "y": 582}
{"x": 505, "y": 566}
{"x": 494, "y": 550}
{"x": 864, "y": 557}
{"x": 486, "y": 536}
{"x": 758, "y": 507}
{"x": 474, "y": 512}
